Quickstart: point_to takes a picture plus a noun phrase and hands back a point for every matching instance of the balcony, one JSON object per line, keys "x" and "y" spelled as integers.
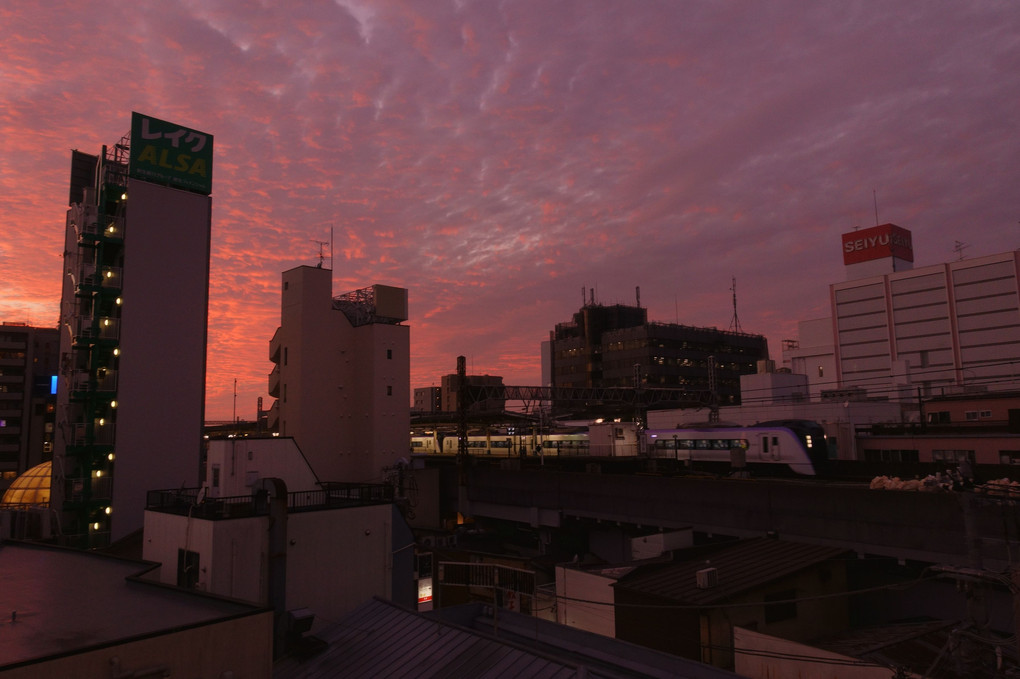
{"x": 105, "y": 381}
{"x": 274, "y": 347}
{"x": 103, "y": 328}
{"x": 102, "y": 434}
{"x": 274, "y": 382}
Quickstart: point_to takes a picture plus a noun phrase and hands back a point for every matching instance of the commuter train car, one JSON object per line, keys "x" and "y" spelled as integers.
{"x": 504, "y": 445}
{"x": 797, "y": 446}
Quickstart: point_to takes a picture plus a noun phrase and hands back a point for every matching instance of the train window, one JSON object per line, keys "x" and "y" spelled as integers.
{"x": 703, "y": 444}
{"x": 721, "y": 444}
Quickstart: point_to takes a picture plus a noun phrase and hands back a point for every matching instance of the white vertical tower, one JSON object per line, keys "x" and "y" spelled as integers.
{"x": 342, "y": 375}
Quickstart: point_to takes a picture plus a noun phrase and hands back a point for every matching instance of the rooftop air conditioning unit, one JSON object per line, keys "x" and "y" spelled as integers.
{"x": 707, "y": 578}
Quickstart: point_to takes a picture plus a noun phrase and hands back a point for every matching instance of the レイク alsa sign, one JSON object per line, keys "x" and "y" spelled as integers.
{"x": 166, "y": 153}
{"x": 887, "y": 240}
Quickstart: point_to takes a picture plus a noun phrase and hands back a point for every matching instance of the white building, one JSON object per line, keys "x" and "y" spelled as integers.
{"x": 134, "y": 309}
{"x": 342, "y": 375}
{"x": 898, "y": 331}
{"x": 323, "y": 551}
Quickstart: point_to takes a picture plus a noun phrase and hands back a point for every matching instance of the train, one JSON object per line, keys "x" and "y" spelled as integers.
{"x": 776, "y": 447}
{"x": 798, "y": 446}
{"x": 503, "y": 445}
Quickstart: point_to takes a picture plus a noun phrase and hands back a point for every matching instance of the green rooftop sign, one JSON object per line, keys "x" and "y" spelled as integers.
{"x": 166, "y": 153}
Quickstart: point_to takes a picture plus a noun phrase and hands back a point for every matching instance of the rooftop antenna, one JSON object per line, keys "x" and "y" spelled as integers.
{"x": 874, "y": 194}
{"x": 735, "y": 323}
{"x": 958, "y": 248}
{"x": 637, "y": 292}
{"x": 322, "y": 244}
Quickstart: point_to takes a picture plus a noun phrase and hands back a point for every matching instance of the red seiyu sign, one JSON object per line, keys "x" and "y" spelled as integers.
{"x": 886, "y": 240}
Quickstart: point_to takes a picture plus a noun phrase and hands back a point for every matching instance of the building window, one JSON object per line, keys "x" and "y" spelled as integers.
{"x": 970, "y": 415}
{"x": 389, "y": 390}
{"x": 954, "y": 456}
{"x": 389, "y": 353}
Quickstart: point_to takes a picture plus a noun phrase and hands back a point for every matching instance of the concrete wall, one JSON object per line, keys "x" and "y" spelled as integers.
{"x": 243, "y": 461}
{"x": 584, "y": 599}
{"x": 161, "y": 390}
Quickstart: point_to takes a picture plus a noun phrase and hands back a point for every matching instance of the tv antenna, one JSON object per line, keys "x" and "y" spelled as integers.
{"x": 735, "y": 323}
{"x": 958, "y": 248}
{"x": 322, "y": 244}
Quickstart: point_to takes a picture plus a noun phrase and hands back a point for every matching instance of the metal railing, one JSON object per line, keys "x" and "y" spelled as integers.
{"x": 193, "y": 502}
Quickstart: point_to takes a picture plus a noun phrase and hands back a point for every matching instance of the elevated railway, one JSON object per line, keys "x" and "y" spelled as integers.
{"x": 957, "y": 528}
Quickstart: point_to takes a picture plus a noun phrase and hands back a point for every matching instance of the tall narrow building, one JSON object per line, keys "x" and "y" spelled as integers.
{"x": 341, "y": 378}
{"x": 134, "y": 311}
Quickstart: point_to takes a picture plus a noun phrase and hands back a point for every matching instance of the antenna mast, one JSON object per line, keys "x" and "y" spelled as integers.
{"x": 322, "y": 244}
{"x": 958, "y": 248}
{"x": 735, "y": 323}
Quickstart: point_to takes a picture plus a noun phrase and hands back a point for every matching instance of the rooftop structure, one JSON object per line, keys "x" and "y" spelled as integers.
{"x": 72, "y": 613}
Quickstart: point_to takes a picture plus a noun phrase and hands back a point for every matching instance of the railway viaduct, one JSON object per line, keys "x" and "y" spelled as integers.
{"x": 960, "y": 529}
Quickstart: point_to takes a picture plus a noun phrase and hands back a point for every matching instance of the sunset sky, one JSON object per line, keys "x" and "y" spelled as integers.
{"x": 497, "y": 157}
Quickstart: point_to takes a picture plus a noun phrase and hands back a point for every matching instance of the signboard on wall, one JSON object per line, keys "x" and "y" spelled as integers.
{"x": 878, "y": 242}
{"x": 166, "y": 153}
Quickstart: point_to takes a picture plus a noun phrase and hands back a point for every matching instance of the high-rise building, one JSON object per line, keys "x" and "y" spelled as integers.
{"x": 616, "y": 346}
{"x": 133, "y": 317}
{"x": 341, "y": 377}
{"x": 28, "y": 369}
{"x": 898, "y": 331}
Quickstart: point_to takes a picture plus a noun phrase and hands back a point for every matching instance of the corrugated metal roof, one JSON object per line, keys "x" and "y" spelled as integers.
{"x": 740, "y": 567}
{"x": 381, "y": 639}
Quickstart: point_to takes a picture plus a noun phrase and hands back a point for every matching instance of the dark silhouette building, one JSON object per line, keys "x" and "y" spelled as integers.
{"x": 28, "y": 364}
{"x": 616, "y": 346}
